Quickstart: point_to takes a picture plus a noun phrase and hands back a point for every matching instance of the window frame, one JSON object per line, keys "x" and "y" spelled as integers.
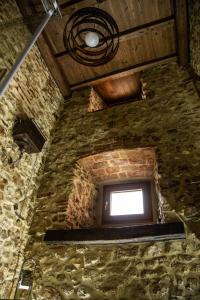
{"x": 147, "y": 217}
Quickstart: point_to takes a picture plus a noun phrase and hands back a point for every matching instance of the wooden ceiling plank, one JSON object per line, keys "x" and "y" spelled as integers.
{"x": 125, "y": 72}
{"x": 167, "y": 40}
{"x": 182, "y": 27}
{"x": 132, "y": 32}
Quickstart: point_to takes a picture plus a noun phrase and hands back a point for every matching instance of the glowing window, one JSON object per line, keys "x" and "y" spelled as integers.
{"x": 127, "y": 202}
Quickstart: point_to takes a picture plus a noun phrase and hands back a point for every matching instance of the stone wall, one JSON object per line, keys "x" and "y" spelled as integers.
{"x": 194, "y": 11}
{"x": 13, "y": 28}
{"x": 90, "y": 171}
{"x": 148, "y": 271}
{"x": 168, "y": 121}
{"x": 32, "y": 93}
{"x": 123, "y": 165}
{"x": 81, "y": 202}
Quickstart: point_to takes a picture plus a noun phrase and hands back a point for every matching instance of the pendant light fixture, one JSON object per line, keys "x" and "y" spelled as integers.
{"x": 91, "y": 36}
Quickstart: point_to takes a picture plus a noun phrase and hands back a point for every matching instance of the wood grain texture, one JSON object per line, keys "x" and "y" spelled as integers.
{"x": 125, "y": 72}
{"x": 182, "y": 29}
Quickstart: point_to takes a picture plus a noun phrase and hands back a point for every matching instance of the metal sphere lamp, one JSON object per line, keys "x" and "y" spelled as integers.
{"x": 91, "y": 36}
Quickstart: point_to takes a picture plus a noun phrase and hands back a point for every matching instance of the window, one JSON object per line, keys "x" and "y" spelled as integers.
{"x": 127, "y": 203}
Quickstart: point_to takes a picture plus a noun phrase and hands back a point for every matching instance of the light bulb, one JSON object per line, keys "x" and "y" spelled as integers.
{"x": 91, "y": 39}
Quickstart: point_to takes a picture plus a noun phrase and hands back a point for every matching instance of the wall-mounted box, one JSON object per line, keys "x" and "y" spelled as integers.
{"x": 28, "y": 136}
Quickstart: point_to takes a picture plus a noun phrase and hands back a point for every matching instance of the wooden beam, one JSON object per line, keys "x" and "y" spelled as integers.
{"x": 125, "y": 72}
{"x": 70, "y": 3}
{"x": 53, "y": 66}
{"x": 135, "y": 31}
{"x": 182, "y": 31}
{"x": 141, "y": 233}
{"x": 69, "y": 6}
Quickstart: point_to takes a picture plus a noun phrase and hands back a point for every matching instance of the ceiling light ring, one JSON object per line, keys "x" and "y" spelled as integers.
{"x": 78, "y": 47}
{"x": 91, "y": 60}
{"x": 103, "y": 24}
{"x": 103, "y": 53}
{"x": 106, "y": 49}
{"x": 103, "y": 41}
{"x": 100, "y": 23}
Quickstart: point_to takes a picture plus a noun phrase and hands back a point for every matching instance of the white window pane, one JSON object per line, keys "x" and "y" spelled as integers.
{"x": 128, "y": 202}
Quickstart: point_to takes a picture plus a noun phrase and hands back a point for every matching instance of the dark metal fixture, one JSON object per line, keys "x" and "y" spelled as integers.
{"x": 91, "y": 36}
{"x": 25, "y": 281}
{"x": 28, "y": 136}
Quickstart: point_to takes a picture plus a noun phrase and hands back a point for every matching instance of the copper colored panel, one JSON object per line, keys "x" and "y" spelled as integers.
{"x": 120, "y": 90}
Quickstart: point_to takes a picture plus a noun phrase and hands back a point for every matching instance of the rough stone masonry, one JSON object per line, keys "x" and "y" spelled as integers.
{"x": 169, "y": 121}
{"x": 34, "y": 94}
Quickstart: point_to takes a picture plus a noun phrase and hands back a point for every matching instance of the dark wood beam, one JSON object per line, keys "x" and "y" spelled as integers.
{"x": 182, "y": 31}
{"x": 125, "y": 72}
{"x": 53, "y": 66}
{"x": 141, "y": 233}
{"x": 133, "y": 32}
{"x": 70, "y": 3}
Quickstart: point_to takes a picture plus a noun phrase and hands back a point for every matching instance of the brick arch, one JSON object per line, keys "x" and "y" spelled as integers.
{"x": 117, "y": 165}
{"x": 120, "y": 164}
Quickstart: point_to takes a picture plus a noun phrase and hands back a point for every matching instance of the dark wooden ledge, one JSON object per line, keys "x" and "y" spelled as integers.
{"x": 129, "y": 234}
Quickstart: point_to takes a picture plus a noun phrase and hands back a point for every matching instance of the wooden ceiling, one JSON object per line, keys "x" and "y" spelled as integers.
{"x": 151, "y": 32}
